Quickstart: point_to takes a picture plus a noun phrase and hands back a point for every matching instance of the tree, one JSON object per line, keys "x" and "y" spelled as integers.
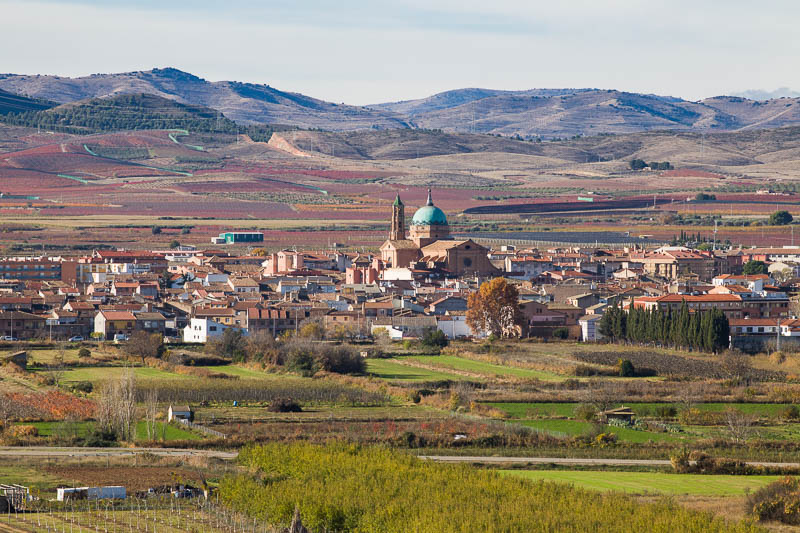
{"x": 753, "y": 267}
{"x": 143, "y": 344}
{"x": 638, "y": 164}
{"x": 174, "y": 244}
{"x": 155, "y": 230}
{"x": 783, "y": 276}
{"x": 151, "y": 412}
{"x": 780, "y": 218}
{"x": 434, "y": 338}
{"x": 494, "y": 308}
{"x": 232, "y": 344}
{"x": 312, "y": 329}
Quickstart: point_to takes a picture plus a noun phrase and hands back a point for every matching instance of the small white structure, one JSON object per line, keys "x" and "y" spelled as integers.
{"x": 179, "y": 412}
{"x": 394, "y": 333}
{"x": 590, "y": 327}
{"x": 454, "y": 326}
{"x": 91, "y": 493}
{"x": 202, "y": 329}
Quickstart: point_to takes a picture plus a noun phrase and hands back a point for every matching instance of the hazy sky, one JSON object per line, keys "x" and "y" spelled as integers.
{"x": 362, "y": 52}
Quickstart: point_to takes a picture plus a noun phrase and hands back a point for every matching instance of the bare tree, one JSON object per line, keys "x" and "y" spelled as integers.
{"x": 739, "y": 424}
{"x": 104, "y": 413}
{"x": 736, "y": 365}
{"x": 144, "y": 345}
{"x": 126, "y": 404}
{"x": 151, "y": 412}
{"x": 688, "y": 394}
{"x": 56, "y": 369}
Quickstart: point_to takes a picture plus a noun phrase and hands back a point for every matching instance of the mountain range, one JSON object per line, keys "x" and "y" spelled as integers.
{"x": 545, "y": 113}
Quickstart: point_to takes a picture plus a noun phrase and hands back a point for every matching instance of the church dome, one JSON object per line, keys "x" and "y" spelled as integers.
{"x": 429, "y": 215}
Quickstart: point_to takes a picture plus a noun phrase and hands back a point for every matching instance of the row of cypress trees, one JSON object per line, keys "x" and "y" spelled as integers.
{"x": 700, "y": 330}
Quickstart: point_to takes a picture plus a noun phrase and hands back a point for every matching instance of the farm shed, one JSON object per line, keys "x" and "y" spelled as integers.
{"x": 13, "y": 497}
{"x": 179, "y": 412}
{"x": 623, "y": 413}
{"x": 90, "y": 493}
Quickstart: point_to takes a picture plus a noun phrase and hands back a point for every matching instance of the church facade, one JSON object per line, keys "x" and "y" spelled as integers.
{"x": 429, "y": 244}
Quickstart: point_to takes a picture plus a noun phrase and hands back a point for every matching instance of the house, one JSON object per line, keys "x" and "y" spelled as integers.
{"x": 21, "y": 325}
{"x": 590, "y": 327}
{"x": 180, "y": 412}
{"x": 200, "y": 330}
{"x": 109, "y": 323}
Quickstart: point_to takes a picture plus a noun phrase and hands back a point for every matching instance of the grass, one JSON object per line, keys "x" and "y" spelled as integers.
{"x": 567, "y": 409}
{"x": 173, "y": 432}
{"x": 577, "y": 427}
{"x": 480, "y": 367}
{"x": 394, "y": 371}
{"x": 81, "y": 429}
{"x": 97, "y": 374}
{"x": 242, "y": 372}
{"x": 649, "y": 482}
{"x": 34, "y": 478}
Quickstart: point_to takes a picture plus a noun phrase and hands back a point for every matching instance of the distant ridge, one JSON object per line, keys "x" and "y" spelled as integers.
{"x": 543, "y": 113}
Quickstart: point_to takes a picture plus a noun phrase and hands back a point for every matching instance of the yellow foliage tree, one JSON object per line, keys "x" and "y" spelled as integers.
{"x": 494, "y": 308}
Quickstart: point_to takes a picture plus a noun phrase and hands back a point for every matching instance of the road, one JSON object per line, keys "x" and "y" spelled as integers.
{"x": 43, "y": 451}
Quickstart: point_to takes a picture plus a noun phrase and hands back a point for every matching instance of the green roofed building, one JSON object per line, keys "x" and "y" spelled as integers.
{"x": 236, "y": 237}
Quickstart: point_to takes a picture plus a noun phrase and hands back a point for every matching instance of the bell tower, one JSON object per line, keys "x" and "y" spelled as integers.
{"x": 398, "y": 231}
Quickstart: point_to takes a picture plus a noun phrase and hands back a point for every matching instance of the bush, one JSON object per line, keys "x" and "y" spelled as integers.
{"x": 626, "y": 368}
{"x": 777, "y": 501}
{"x": 561, "y": 333}
{"x": 790, "y": 413}
{"x": 585, "y": 411}
{"x": 84, "y": 352}
{"x": 665, "y": 411}
{"x": 100, "y": 439}
{"x": 435, "y": 338}
{"x": 83, "y": 386}
{"x": 301, "y": 362}
{"x": 284, "y": 405}
{"x": 23, "y": 431}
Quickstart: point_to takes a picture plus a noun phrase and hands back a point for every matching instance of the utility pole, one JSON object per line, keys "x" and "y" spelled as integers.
{"x": 714, "y": 246}
{"x": 778, "y": 341}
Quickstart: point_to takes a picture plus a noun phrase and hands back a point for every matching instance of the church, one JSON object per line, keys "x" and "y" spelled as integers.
{"x": 429, "y": 244}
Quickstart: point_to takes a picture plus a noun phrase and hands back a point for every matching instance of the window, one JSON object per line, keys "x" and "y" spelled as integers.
{"x": 467, "y": 262}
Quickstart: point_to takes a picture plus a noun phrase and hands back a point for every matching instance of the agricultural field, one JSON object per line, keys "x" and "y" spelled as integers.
{"x": 650, "y": 482}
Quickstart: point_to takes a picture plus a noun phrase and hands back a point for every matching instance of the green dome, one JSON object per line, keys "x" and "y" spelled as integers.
{"x": 429, "y": 215}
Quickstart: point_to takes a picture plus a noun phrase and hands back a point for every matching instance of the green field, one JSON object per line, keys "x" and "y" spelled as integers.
{"x": 81, "y": 429}
{"x": 650, "y": 482}
{"x": 480, "y": 367}
{"x": 97, "y": 374}
{"x": 577, "y": 427}
{"x": 566, "y": 410}
{"x": 394, "y": 371}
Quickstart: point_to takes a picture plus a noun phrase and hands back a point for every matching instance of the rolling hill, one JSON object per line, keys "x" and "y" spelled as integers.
{"x": 15, "y": 103}
{"x": 545, "y": 113}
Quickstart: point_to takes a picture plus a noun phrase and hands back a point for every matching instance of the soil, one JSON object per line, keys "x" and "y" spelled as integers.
{"x": 132, "y": 478}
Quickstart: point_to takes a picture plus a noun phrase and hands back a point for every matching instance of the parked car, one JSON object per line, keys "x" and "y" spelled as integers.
{"x": 8, "y": 338}
{"x": 76, "y": 338}
{"x": 120, "y": 337}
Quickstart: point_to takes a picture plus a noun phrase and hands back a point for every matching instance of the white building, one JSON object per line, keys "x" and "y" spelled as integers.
{"x": 202, "y": 329}
{"x": 590, "y": 327}
{"x": 454, "y": 326}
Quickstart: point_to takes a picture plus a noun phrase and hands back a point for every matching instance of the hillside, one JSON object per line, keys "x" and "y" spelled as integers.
{"x": 245, "y": 103}
{"x": 545, "y": 113}
{"x": 15, "y": 103}
{"x": 130, "y": 112}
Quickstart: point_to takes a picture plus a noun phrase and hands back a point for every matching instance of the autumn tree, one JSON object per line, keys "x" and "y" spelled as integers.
{"x": 143, "y": 344}
{"x": 494, "y": 308}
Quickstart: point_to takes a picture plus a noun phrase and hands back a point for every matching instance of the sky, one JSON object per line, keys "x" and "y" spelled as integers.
{"x": 366, "y": 52}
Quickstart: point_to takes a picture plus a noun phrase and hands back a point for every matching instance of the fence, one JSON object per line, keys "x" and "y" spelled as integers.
{"x": 203, "y": 429}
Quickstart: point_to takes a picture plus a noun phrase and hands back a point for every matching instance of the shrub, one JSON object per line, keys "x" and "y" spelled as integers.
{"x": 83, "y": 386}
{"x": 561, "y": 333}
{"x": 284, "y": 405}
{"x": 665, "y": 411}
{"x": 301, "y": 362}
{"x": 100, "y": 439}
{"x": 23, "y": 431}
{"x": 790, "y": 413}
{"x": 435, "y": 338}
{"x": 84, "y": 352}
{"x": 626, "y": 368}
{"x": 777, "y": 501}
{"x": 585, "y": 411}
